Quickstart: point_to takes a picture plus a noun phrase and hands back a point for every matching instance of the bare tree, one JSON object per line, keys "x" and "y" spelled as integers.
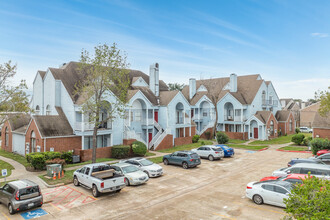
{"x": 103, "y": 75}
{"x": 12, "y": 98}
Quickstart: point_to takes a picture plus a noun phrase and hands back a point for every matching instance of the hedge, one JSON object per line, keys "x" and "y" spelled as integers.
{"x": 298, "y": 138}
{"x": 139, "y": 148}
{"x": 320, "y": 144}
{"x": 39, "y": 159}
{"x": 120, "y": 151}
{"x": 222, "y": 138}
{"x": 195, "y": 138}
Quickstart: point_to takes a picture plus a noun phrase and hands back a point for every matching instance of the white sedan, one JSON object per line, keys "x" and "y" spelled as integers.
{"x": 150, "y": 168}
{"x": 133, "y": 175}
{"x": 269, "y": 192}
{"x": 209, "y": 151}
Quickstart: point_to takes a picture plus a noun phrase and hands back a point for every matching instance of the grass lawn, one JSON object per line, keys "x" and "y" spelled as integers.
{"x": 279, "y": 140}
{"x": 67, "y": 179}
{"x": 235, "y": 141}
{"x": 148, "y": 154}
{"x": 156, "y": 159}
{"x": 295, "y": 148}
{"x": 98, "y": 160}
{"x": 15, "y": 157}
{"x": 5, "y": 165}
{"x": 248, "y": 147}
{"x": 186, "y": 147}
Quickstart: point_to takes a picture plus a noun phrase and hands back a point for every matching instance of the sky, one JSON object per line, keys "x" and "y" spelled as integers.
{"x": 287, "y": 42}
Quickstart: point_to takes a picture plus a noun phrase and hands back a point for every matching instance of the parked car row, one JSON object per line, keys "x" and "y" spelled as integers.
{"x": 273, "y": 189}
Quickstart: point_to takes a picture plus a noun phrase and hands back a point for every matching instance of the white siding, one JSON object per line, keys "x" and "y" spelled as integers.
{"x": 49, "y": 92}
{"x": 38, "y": 93}
{"x": 18, "y": 143}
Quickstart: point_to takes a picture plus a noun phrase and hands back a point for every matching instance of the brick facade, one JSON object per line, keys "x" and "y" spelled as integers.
{"x": 285, "y": 126}
{"x": 182, "y": 140}
{"x": 5, "y": 147}
{"x": 128, "y": 141}
{"x": 166, "y": 143}
{"x": 85, "y": 155}
{"x": 321, "y": 132}
{"x": 207, "y": 130}
{"x": 238, "y": 135}
{"x": 272, "y": 118}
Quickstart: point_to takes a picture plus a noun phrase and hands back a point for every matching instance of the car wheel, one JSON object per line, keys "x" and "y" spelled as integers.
{"x": 76, "y": 181}
{"x": 257, "y": 199}
{"x": 146, "y": 172}
{"x": 185, "y": 165}
{"x": 11, "y": 209}
{"x": 165, "y": 162}
{"x": 211, "y": 158}
{"x": 127, "y": 182}
{"x": 95, "y": 191}
{"x": 117, "y": 191}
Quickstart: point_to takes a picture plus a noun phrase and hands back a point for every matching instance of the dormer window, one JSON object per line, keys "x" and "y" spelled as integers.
{"x": 37, "y": 110}
{"x": 48, "y": 110}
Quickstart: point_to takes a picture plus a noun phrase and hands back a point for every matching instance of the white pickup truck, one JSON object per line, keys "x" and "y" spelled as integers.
{"x": 99, "y": 177}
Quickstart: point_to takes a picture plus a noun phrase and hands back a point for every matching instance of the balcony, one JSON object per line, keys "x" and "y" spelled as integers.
{"x": 234, "y": 118}
{"x": 88, "y": 126}
{"x": 270, "y": 103}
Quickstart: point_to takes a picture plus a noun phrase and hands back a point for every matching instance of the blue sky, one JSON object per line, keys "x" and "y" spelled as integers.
{"x": 287, "y": 42}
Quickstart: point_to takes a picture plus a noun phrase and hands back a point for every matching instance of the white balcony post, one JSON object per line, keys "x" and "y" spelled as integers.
{"x": 129, "y": 117}
{"x": 82, "y": 142}
{"x": 83, "y": 122}
{"x": 241, "y": 114}
{"x": 147, "y": 130}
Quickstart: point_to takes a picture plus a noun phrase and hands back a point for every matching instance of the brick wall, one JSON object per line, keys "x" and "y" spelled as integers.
{"x": 8, "y": 148}
{"x": 321, "y": 132}
{"x": 182, "y": 140}
{"x": 207, "y": 130}
{"x": 63, "y": 144}
{"x": 272, "y": 118}
{"x": 237, "y": 135}
{"x": 128, "y": 141}
{"x": 285, "y": 126}
{"x": 39, "y": 140}
{"x": 85, "y": 155}
{"x": 166, "y": 143}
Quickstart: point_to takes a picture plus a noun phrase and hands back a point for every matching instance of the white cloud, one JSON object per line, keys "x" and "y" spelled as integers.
{"x": 320, "y": 35}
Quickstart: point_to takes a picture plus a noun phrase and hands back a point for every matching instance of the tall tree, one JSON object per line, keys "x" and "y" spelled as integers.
{"x": 103, "y": 74}
{"x": 12, "y": 98}
{"x": 324, "y": 102}
{"x": 175, "y": 86}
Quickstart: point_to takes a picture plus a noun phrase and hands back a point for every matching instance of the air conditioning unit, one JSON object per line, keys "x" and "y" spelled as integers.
{"x": 230, "y": 117}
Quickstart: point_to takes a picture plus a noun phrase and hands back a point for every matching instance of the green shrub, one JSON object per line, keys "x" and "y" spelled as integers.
{"x": 67, "y": 156}
{"x": 208, "y": 135}
{"x": 320, "y": 144}
{"x": 309, "y": 200}
{"x": 298, "y": 138}
{"x": 38, "y": 161}
{"x": 139, "y": 148}
{"x": 222, "y": 138}
{"x": 50, "y": 155}
{"x": 297, "y": 130}
{"x": 195, "y": 138}
{"x": 307, "y": 141}
{"x": 120, "y": 151}
{"x": 202, "y": 143}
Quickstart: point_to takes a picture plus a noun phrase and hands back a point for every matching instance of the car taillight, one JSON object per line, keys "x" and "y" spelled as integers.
{"x": 102, "y": 185}
{"x": 289, "y": 165}
{"x": 17, "y": 196}
{"x": 249, "y": 187}
{"x": 124, "y": 180}
{"x": 191, "y": 160}
{"x": 39, "y": 191}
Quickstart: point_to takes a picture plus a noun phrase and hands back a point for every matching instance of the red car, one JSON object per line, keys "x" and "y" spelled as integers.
{"x": 320, "y": 152}
{"x": 291, "y": 178}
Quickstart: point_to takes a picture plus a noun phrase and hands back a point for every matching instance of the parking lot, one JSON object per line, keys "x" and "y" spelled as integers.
{"x": 214, "y": 190}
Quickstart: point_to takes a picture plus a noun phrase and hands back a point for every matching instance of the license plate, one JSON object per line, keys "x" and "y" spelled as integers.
{"x": 30, "y": 205}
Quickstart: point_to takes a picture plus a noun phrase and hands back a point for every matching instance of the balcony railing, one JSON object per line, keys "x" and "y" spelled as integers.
{"x": 234, "y": 118}
{"x": 269, "y": 102}
{"x": 88, "y": 126}
{"x": 149, "y": 121}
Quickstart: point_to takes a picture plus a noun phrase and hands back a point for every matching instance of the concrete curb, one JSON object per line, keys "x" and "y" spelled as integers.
{"x": 50, "y": 186}
{"x": 294, "y": 151}
{"x": 266, "y": 148}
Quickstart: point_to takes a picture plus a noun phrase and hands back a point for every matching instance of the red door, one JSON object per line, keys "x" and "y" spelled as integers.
{"x": 150, "y": 137}
{"x": 255, "y": 131}
{"x": 156, "y": 116}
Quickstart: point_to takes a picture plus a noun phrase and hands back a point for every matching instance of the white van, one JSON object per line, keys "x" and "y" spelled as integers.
{"x": 317, "y": 170}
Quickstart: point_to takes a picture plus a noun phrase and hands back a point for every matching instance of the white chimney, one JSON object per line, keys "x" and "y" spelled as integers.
{"x": 233, "y": 82}
{"x": 154, "y": 78}
{"x": 192, "y": 87}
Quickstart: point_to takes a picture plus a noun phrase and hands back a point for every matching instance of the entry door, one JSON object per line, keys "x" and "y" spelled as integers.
{"x": 255, "y": 131}
{"x": 156, "y": 116}
{"x": 150, "y": 137}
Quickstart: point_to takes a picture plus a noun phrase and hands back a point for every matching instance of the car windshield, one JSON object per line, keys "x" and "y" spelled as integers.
{"x": 195, "y": 156}
{"x": 130, "y": 169}
{"x": 146, "y": 162}
{"x": 217, "y": 149}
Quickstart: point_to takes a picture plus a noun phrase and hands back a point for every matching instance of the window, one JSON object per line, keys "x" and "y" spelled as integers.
{"x": 272, "y": 128}
{"x": 290, "y": 125}
{"x": 206, "y": 148}
{"x": 268, "y": 187}
{"x": 8, "y": 189}
{"x": 6, "y": 137}
{"x": 295, "y": 170}
{"x": 37, "y": 110}
{"x": 87, "y": 170}
{"x": 33, "y": 141}
{"x": 280, "y": 190}
{"x": 205, "y": 113}
{"x": 263, "y": 96}
{"x": 293, "y": 181}
{"x": 201, "y": 148}
{"x": 48, "y": 110}
{"x": 82, "y": 170}
{"x": 137, "y": 116}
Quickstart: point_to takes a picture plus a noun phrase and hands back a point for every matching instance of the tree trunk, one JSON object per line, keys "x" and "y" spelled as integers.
{"x": 94, "y": 144}
{"x": 216, "y": 121}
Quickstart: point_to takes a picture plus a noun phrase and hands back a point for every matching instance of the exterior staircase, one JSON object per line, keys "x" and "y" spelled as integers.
{"x": 157, "y": 139}
{"x": 131, "y": 134}
{"x": 209, "y": 125}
